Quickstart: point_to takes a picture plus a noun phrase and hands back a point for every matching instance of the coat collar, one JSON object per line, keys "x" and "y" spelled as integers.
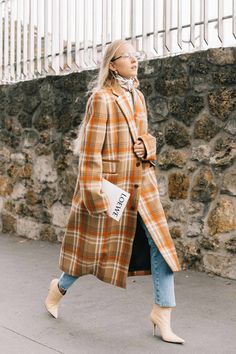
{"x": 123, "y": 103}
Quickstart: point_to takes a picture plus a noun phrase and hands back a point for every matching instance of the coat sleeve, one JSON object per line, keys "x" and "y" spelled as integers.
{"x": 148, "y": 140}
{"x": 90, "y": 161}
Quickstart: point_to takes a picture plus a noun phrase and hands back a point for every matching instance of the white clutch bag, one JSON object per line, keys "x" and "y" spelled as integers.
{"x": 118, "y": 199}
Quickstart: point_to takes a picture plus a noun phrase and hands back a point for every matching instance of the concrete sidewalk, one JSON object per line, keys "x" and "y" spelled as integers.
{"x": 98, "y": 318}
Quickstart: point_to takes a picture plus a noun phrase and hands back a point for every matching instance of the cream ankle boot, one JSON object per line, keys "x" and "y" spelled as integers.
{"x": 160, "y": 316}
{"x": 53, "y": 298}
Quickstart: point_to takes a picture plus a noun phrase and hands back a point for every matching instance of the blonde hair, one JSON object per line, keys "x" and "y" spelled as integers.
{"x": 105, "y": 79}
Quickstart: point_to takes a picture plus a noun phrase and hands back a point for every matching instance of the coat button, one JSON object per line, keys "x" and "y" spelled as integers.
{"x": 138, "y": 164}
{"x": 132, "y": 208}
{"x": 136, "y": 186}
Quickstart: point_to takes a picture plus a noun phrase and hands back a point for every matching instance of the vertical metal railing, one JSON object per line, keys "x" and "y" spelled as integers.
{"x": 234, "y": 18}
{"x": 1, "y": 41}
{"x": 46, "y": 37}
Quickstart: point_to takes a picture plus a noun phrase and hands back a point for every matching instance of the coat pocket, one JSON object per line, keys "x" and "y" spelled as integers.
{"x": 109, "y": 166}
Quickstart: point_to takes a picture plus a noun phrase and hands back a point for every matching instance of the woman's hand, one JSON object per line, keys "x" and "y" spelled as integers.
{"x": 139, "y": 149}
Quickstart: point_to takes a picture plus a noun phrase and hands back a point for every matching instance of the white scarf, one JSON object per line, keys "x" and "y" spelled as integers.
{"x": 127, "y": 84}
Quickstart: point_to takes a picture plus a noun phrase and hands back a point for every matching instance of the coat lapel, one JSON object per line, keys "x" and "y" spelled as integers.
{"x": 124, "y": 105}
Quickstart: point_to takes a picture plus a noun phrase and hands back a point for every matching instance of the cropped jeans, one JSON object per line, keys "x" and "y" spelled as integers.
{"x": 162, "y": 275}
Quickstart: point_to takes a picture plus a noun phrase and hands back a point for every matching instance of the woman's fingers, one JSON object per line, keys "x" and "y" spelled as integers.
{"x": 136, "y": 148}
{"x": 139, "y": 153}
{"x": 139, "y": 149}
{"x": 139, "y": 144}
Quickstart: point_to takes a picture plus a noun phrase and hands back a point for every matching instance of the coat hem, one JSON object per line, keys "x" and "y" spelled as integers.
{"x": 120, "y": 285}
{"x": 139, "y": 273}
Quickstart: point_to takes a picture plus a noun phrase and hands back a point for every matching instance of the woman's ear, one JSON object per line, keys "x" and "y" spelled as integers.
{"x": 112, "y": 67}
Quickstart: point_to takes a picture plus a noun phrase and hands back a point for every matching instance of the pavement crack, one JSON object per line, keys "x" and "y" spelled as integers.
{"x": 32, "y": 340}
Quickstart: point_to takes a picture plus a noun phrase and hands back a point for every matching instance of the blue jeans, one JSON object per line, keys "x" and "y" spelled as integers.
{"x": 162, "y": 276}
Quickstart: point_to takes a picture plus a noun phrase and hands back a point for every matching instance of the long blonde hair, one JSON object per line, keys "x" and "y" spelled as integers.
{"x": 104, "y": 79}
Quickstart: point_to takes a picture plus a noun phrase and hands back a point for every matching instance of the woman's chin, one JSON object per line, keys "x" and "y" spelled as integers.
{"x": 130, "y": 76}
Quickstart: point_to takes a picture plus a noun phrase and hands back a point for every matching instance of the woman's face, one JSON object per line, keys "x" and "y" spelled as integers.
{"x": 125, "y": 63}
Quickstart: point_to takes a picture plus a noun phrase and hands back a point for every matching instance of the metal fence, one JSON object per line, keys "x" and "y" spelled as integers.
{"x": 47, "y": 37}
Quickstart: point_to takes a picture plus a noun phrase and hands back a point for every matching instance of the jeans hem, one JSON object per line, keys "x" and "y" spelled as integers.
{"x": 164, "y": 304}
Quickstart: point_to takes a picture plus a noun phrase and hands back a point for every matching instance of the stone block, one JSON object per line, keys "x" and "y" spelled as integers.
{"x": 186, "y": 109}
{"x": 205, "y": 128}
{"x": 178, "y": 211}
{"x": 28, "y": 228}
{"x": 230, "y": 245}
{"x": 6, "y": 187}
{"x": 194, "y": 228}
{"x": 8, "y": 223}
{"x": 176, "y": 135}
{"x": 222, "y": 218}
{"x": 41, "y": 214}
{"x": 192, "y": 253}
{"x": 231, "y": 126}
{"x": 159, "y": 140}
{"x": 68, "y": 184}
{"x": 176, "y": 232}
{"x": 5, "y": 154}
{"x": 42, "y": 120}
{"x": 172, "y": 80}
{"x": 41, "y": 149}
{"x": 19, "y": 191}
{"x": 60, "y": 214}
{"x": 172, "y": 158}
{"x": 162, "y": 185}
{"x": 204, "y": 188}
{"x": 201, "y": 153}
{"x": 49, "y": 196}
{"x": 19, "y": 158}
{"x": 25, "y": 119}
{"x": 178, "y": 185}
{"x": 146, "y": 88}
{"x": 1, "y": 204}
{"x": 225, "y": 76}
{"x": 43, "y": 169}
{"x": 223, "y": 158}
{"x": 158, "y": 109}
{"x": 221, "y": 56}
{"x": 222, "y": 102}
{"x": 15, "y": 171}
{"x": 222, "y": 265}
{"x": 210, "y": 242}
{"x": 48, "y": 233}
{"x": 229, "y": 182}
{"x": 195, "y": 208}
{"x": 32, "y": 197}
{"x": 29, "y": 138}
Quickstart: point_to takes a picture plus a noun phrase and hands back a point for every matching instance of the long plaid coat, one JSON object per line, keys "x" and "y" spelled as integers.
{"x": 93, "y": 242}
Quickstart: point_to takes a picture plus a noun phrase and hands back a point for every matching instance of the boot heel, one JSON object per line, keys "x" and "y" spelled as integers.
{"x": 154, "y": 329}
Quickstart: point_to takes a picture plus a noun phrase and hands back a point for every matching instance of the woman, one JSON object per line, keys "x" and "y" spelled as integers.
{"x": 114, "y": 144}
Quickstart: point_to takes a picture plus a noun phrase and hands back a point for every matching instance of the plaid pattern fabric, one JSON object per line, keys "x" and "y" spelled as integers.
{"x": 93, "y": 242}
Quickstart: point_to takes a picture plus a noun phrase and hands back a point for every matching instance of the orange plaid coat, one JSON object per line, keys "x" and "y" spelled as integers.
{"x": 93, "y": 242}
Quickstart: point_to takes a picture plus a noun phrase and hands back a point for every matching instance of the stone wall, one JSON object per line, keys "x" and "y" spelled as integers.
{"x": 191, "y": 102}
